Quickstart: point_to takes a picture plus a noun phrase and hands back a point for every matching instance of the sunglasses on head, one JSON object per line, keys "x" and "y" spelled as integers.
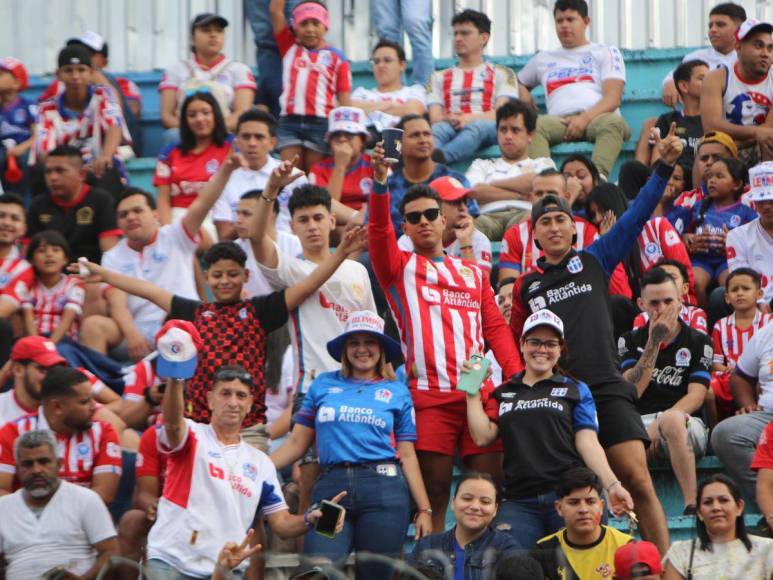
{"x": 229, "y": 375}
{"x": 197, "y": 90}
{"x": 414, "y": 217}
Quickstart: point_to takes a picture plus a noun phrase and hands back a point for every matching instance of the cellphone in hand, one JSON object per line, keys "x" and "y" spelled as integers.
{"x": 471, "y": 382}
{"x": 328, "y": 522}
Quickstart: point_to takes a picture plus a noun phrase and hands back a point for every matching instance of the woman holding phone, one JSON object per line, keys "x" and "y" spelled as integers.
{"x": 354, "y": 412}
{"x": 548, "y": 424}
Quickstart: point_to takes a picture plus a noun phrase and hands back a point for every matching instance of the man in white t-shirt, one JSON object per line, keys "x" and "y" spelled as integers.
{"x": 390, "y": 99}
{"x": 323, "y": 315}
{"x": 163, "y": 255}
{"x": 255, "y": 139}
{"x": 503, "y": 186}
{"x": 31, "y": 357}
{"x": 583, "y": 84}
{"x": 724, "y": 20}
{"x": 51, "y": 525}
{"x": 460, "y": 238}
{"x": 735, "y": 439}
{"x": 462, "y": 99}
{"x": 216, "y": 482}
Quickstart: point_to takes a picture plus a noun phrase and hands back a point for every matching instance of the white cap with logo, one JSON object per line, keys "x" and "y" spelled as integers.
{"x": 543, "y": 318}
{"x": 761, "y": 182}
{"x": 347, "y": 120}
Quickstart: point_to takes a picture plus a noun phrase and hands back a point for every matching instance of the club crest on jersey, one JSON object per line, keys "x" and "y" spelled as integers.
{"x": 651, "y": 249}
{"x": 735, "y": 221}
{"x": 211, "y": 166}
{"x": 250, "y": 471}
{"x": 384, "y": 395}
{"x": 672, "y": 238}
{"x": 243, "y": 313}
{"x": 559, "y": 392}
{"x": 575, "y": 265}
{"x": 4, "y": 280}
{"x": 683, "y": 357}
{"x": 708, "y": 351}
{"x": 83, "y": 449}
{"x": 113, "y": 450}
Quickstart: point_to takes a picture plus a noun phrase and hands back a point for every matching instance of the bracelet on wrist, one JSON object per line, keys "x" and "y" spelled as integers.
{"x": 611, "y": 485}
{"x": 427, "y": 511}
{"x": 264, "y": 197}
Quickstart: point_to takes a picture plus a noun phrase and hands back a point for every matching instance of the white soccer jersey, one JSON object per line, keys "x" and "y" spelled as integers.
{"x": 323, "y": 315}
{"x": 711, "y": 57}
{"x": 211, "y": 495}
{"x": 166, "y": 262}
{"x": 244, "y": 180}
{"x": 481, "y": 247}
{"x": 257, "y": 285}
{"x": 572, "y": 77}
{"x": 756, "y": 364}
{"x": 751, "y": 246}
{"x": 490, "y": 170}
{"x": 229, "y": 74}
{"x": 10, "y": 407}
{"x": 746, "y": 103}
{"x": 474, "y": 90}
{"x": 379, "y": 119}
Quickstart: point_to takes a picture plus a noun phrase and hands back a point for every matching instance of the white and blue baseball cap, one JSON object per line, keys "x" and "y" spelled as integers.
{"x": 177, "y": 343}
{"x": 543, "y": 317}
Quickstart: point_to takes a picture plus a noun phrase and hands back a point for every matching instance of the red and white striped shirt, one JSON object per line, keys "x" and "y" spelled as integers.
{"x": 311, "y": 79}
{"x": 84, "y": 454}
{"x": 150, "y": 462}
{"x": 473, "y": 90}
{"x": 692, "y": 316}
{"x": 444, "y": 307}
{"x": 48, "y": 304}
{"x": 137, "y": 378}
{"x": 659, "y": 240}
{"x": 729, "y": 340}
{"x": 16, "y": 277}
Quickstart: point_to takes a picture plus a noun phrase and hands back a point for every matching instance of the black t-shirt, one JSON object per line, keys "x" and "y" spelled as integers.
{"x": 232, "y": 334}
{"x": 688, "y": 129}
{"x": 83, "y": 222}
{"x": 687, "y": 359}
{"x": 537, "y": 425}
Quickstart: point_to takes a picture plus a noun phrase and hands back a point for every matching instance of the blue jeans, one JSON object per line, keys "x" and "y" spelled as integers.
{"x": 414, "y": 16}
{"x": 377, "y": 513}
{"x": 462, "y": 145}
{"x": 530, "y": 519}
{"x": 160, "y": 570}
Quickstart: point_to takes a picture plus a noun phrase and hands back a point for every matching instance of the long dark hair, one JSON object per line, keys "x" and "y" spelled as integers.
{"x": 738, "y": 172}
{"x": 187, "y": 138}
{"x": 740, "y": 526}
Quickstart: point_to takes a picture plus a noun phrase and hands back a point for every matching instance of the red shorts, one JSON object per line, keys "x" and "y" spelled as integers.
{"x": 443, "y": 429}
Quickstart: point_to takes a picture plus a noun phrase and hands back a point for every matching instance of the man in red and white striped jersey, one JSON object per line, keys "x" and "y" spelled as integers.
{"x": 16, "y": 275}
{"x": 462, "y": 100}
{"x": 445, "y": 309}
{"x": 89, "y": 450}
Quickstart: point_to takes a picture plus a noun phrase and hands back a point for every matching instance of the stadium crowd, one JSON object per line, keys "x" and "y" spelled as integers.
{"x": 293, "y": 342}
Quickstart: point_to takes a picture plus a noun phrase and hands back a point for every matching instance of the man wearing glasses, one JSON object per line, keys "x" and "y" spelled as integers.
{"x": 445, "y": 309}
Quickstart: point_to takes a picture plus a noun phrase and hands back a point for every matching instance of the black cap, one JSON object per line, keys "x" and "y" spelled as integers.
{"x": 74, "y": 54}
{"x": 547, "y": 204}
{"x": 208, "y": 18}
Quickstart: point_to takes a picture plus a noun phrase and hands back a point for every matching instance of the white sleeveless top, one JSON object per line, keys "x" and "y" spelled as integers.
{"x": 746, "y": 103}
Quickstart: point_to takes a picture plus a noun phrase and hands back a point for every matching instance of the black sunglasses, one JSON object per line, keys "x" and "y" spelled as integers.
{"x": 229, "y": 375}
{"x": 414, "y": 217}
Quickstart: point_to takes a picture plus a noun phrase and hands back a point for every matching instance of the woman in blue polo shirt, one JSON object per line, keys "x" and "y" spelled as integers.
{"x": 548, "y": 424}
{"x": 354, "y": 412}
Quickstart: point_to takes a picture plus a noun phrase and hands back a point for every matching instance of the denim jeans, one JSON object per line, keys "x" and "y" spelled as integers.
{"x": 530, "y": 519}
{"x": 391, "y": 17}
{"x": 160, "y": 570}
{"x": 462, "y": 145}
{"x": 377, "y": 512}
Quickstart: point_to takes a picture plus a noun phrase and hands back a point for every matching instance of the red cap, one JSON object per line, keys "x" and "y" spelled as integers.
{"x": 185, "y": 326}
{"x": 16, "y": 68}
{"x": 636, "y": 560}
{"x": 38, "y": 349}
{"x": 449, "y": 188}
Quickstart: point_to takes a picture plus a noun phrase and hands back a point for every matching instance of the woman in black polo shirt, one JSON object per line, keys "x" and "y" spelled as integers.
{"x": 548, "y": 424}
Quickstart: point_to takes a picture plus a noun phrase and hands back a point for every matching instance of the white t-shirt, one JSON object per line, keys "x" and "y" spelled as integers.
{"x": 323, "y": 315}
{"x": 257, "y": 285}
{"x": 488, "y": 170}
{"x": 751, "y": 246}
{"x": 746, "y": 103}
{"x": 379, "y": 119}
{"x": 757, "y": 362}
{"x": 166, "y": 262}
{"x": 211, "y": 496}
{"x": 726, "y": 561}
{"x": 10, "y": 408}
{"x": 244, "y": 180}
{"x": 276, "y": 403}
{"x": 230, "y": 75}
{"x": 711, "y": 57}
{"x": 572, "y": 77}
{"x": 74, "y": 519}
{"x": 481, "y": 247}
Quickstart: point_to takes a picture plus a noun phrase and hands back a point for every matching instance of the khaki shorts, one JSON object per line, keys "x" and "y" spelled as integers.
{"x": 257, "y": 436}
{"x": 697, "y": 435}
